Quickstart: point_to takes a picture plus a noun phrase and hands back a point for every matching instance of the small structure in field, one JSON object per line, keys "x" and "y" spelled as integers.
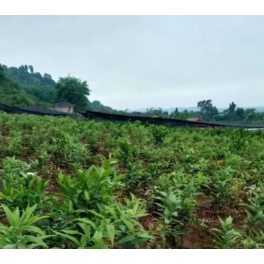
{"x": 195, "y": 119}
{"x": 64, "y": 107}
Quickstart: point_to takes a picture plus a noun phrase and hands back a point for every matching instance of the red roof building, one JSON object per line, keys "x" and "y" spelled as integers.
{"x": 195, "y": 119}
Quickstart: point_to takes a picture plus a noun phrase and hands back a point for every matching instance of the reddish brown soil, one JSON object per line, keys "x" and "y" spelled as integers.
{"x": 200, "y": 237}
{"x": 3, "y": 220}
{"x": 101, "y": 150}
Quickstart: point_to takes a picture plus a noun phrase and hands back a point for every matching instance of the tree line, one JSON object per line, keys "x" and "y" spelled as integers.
{"x": 208, "y": 112}
{"x": 23, "y": 86}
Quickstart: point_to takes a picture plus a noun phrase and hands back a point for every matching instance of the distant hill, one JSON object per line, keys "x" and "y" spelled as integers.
{"x": 169, "y": 110}
{"x": 195, "y": 109}
{"x": 258, "y": 108}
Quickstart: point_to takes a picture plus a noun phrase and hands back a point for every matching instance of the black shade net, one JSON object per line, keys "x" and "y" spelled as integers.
{"x": 118, "y": 118}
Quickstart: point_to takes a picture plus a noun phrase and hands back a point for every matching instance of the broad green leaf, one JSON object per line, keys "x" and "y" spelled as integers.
{"x": 129, "y": 226}
{"x": 95, "y": 213}
{"x": 70, "y": 206}
{"x": 34, "y": 229}
{"x": 84, "y": 240}
{"x": 86, "y": 221}
{"x": 135, "y": 207}
{"x": 26, "y": 215}
{"x": 33, "y": 246}
{"x": 145, "y": 235}
{"x": 98, "y": 236}
{"x": 12, "y": 217}
{"x": 126, "y": 239}
{"x": 35, "y": 218}
{"x": 86, "y": 229}
{"x": 21, "y": 246}
{"x": 111, "y": 233}
{"x": 120, "y": 177}
{"x": 86, "y": 196}
{"x": 10, "y": 246}
{"x": 71, "y": 232}
{"x": 229, "y": 220}
{"x": 37, "y": 240}
{"x": 73, "y": 239}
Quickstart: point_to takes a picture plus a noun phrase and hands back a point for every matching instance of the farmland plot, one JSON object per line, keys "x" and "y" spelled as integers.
{"x": 87, "y": 184}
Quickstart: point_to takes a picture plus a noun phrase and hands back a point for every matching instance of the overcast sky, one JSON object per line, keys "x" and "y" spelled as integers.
{"x": 142, "y": 61}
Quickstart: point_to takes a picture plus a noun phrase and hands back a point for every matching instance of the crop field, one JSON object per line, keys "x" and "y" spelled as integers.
{"x": 87, "y": 184}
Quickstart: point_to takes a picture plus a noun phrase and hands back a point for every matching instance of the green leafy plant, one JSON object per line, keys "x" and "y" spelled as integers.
{"x": 222, "y": 186}
{"x": 166, "y": 168}
{"x": 130, "y": 232}
{"x": 91, "y": 188}
{"x": 21, "y": 233}
{"x": 159, "y": 133}
{"x": 114, "y": 225}
{"x": 23, "y": 190}
{"x": 178, "y": 210}
{"x": 227, "y": 237}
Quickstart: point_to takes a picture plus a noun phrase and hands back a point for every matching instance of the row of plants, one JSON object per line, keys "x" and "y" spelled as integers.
{"x": 85, "y": 184}
{"x": 83, "y": 214}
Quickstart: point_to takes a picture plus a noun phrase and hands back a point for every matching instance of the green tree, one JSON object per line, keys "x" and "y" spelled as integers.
{"x": 47, "y": 76}
{"x": 232, "y": 108}
{"x": 240, "y": 112}
{"x": 22, "y": 69}
{"x": 250, "y": 114}
{"x": 176, "y": 111}
{"x": 98, "y": 106}
{"x": 31, "y": 69}
{"x": 230, "y": 113}
{"x": 208, "y": 111}
{"x": 205, "y": 106}
{"x": 74, "y": 91}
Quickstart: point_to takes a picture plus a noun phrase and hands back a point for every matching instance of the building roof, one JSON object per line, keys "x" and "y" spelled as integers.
{"x": 63, "y": 104}
{"x": 196, "y": 119}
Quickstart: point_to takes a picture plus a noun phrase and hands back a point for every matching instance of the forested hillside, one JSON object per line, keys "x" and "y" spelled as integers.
{"x": 33, "y": 83}
{"x": 12, "y": 94}
{"x": 23, "y": 86}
